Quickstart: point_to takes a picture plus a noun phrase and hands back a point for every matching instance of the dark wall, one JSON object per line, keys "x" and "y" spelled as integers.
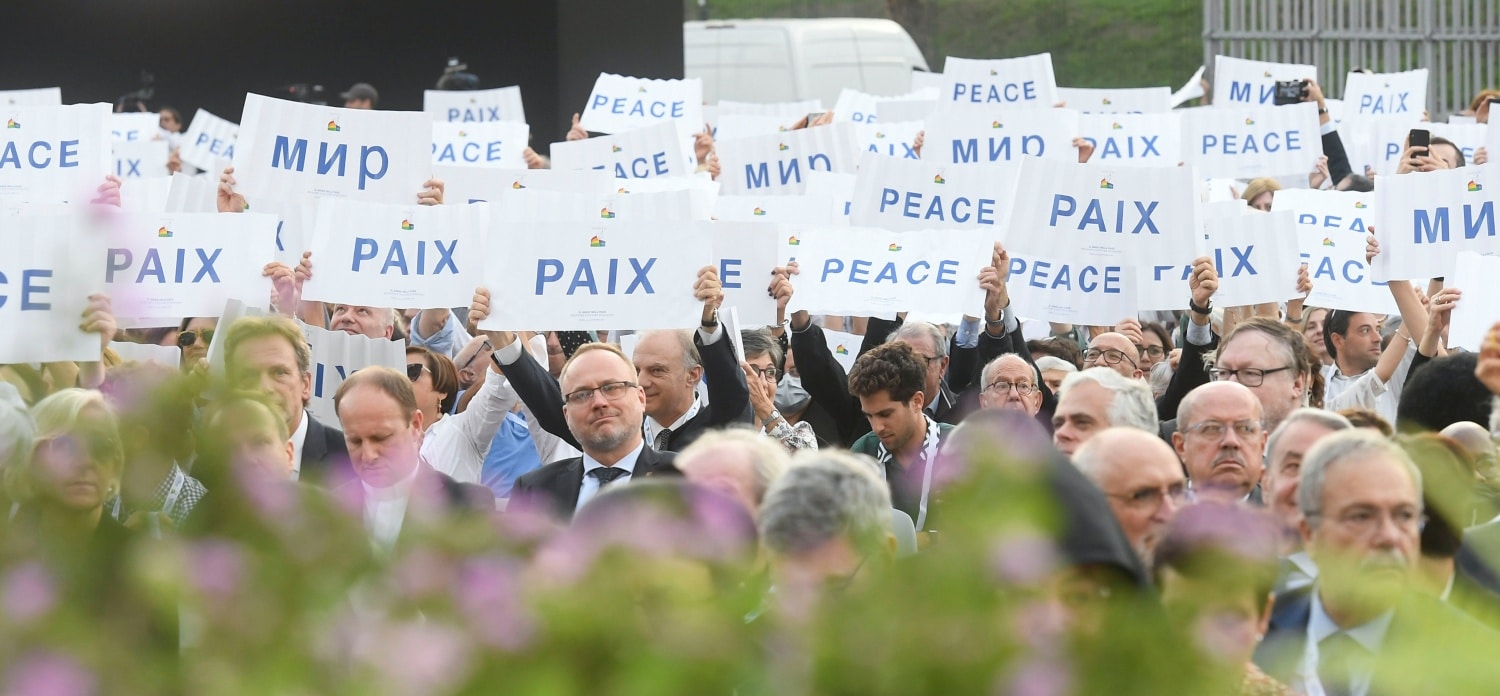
{"x": 209, "y": 53}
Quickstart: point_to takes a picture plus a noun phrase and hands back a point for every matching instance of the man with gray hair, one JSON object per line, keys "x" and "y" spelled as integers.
{"x": 1352, "y": 631}
{"x": 1099, "y": 398}
{"x": 822, "y": 521}
{"x": 737, "y": 462}
{"x": 1010, "y": 383}
{"x": 1285, "y": 449}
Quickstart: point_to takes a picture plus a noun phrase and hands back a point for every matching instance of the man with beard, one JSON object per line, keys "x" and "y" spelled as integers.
{"x": 1360, "y": 629}
{"x": 1221, "y": 439}
{"x": 604, "y": 407}
{"x": 888, "y": 381}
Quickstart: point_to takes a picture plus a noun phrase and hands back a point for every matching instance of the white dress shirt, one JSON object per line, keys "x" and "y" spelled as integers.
{"x": 1365, "y": 390}
{"x": 298, "y": 439}
{"x": 590, "y": 487}
{"x": 456, "y": 445}
{"x": 385, "y": 509}
{"x": 1370, "y": 636}
{"x": 651, "y": 427}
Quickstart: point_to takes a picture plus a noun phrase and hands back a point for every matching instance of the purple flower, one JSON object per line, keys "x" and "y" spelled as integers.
{"x": 1023, "y": 558}
{"x": 488, "y": 591}
{"x": 215, "y": 568}
{"x": 28, "y": 593}
{"x": 423, "y": 658}
{"x": 1039, "y": 677}
{"x": 49, "y": 674}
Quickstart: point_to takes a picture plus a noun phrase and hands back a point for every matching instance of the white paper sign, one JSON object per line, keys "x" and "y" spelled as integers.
{"x": 1239, "y": 82}
{"x": 897, "y": 194}
{"x": 474, "y": 106}
{"x": 1192, "y": 89}
{"x": 139, "y": 159}
{"x": 53, "y": 263}
{"x": 186, "y": 265}
{"x": 512, "y": 211}
{"x": 132, "y": 127}
{"x": 746, "y": 254}
{"x": 701, "y": 188}
{"x": 866, "y": 271}
{"x": 1256, "y": 256}
{"x": 1468, "y": 137}
{"x": 891, "y": 138}
{"x": 1475, "y": 313}
{"x": 619, "y": 103}
{"x": 837, "y": 189}
{"x": 1071, "y": 291}
{"x": 1085, "y": 213}
{"x": 1377, "y": 141}
{"x": 1249, "y": 142}
{"x": 637, "y": 154}
{"x": 795, "y": 109}
{"x": 53, "y": 154}
{"x": 477, "y": 185}
{"x": 45, "y": 96}
{"x": 969, "y": 137}
{"x": 855, "y": 106}
{"x": 844, "y": 346}
{"x": 776, "y": 163}
{"x": 493, "y": 144}
{"x": 794, "y": 210}
{"x": 904, "y": 110}
{"x": 291, "y": 149}
{"x": 193, "y": 193}
{"x": 409, "y": 256}
{"x": 166, "y": 356}
{"x": 146, "y": 195}
{"x": 207, "y": 140}
{"x": 731, "y": 126}
{"x": 1152, "y": 139}
{"x": 1135, "y": 100}
{"x": 578, "y": 276}
{"x": 1331, "y": 230}
{"x": 1386, "y": 94}
{"x": 993, "y": 84}
{"x": 1427, "y": 218}
{"x": 336, "y": 355}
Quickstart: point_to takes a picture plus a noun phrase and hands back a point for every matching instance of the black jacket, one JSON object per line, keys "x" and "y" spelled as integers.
{"x": 325, "y": 456}
{"x": 555, "y": 486}
{"x": 728, "y": 395}
{"x": 432, "y": 492}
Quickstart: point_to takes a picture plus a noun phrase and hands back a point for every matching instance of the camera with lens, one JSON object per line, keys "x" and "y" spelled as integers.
{"x": 457, "y": 78}
{"x": 1290, "y": 92}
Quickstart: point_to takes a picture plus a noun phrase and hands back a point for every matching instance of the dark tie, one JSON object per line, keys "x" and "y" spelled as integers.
{"x": 607, "y": 475}
{"x": 1339, "y": 657}
{"x": 661, "y": 439}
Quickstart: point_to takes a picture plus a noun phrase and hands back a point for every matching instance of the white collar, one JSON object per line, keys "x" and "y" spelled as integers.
{"x": 299, "y": 441}
{"x": 626, "y": 462}
{"x": 1369, "y": 635}
{"x": 653, "y": 427}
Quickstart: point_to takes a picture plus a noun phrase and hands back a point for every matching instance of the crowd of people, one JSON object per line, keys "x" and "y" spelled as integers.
{"x": 1269, "y": 499}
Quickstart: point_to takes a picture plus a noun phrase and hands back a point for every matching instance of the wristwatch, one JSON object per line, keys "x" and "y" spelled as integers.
{"x": 1204, "y": 310}
{"x": 712, "y": 323}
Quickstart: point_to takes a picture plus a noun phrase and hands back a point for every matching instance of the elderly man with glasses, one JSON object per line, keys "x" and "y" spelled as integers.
{"x": 1010, "y": 383}
{"x": 1142, "y": 480}
{"x": 1221, "y": 439}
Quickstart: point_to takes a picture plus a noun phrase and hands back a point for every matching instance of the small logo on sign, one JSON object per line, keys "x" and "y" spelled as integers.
{"x": 1475, "y": 186}
{"x": 1360, "y": 205}
{"x": 622, "y": 189}
{"x": 894, "y": 247}
{"x": 1107, "y": 102}
{"x": 841, "y": 350}
{"x": 781, "y": 147}
{"x": 939, "y": 179}
{"x": 995, "y": 124}
{"x": 517, "y": 185}
{"x": 164, "y": 233}
{"x": 12, "y": 123}
{"x": 758, "y": 211}
{"x": 334, "y": 126}
{"x": 406, "y": 225}
{"x": 614, "y": 148}
{"x": 596, "y": 242}
{"x": 1106, "y": 184}
{"x": 1115, "y": 126}
{"x": 607, "y": 214}
{"x": 1327, "y": 242}
{"x": 1249, "y": 121}
{"x": 793, "y": 241}
{"x": 463, "y": 134}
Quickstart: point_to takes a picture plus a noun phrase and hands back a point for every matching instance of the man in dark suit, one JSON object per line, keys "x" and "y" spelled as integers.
{"x": 669, "y": 365}
{"x": 383, "y": 432}
{"x": 604, "y": 407}
{"x": 1361, "y": 629}
{"x": 269, "y": 354}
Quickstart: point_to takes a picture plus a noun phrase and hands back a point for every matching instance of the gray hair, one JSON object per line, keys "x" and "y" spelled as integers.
{"x": 768, "y": 458}
{"x": 1048, "y": 363}
{"x": 985, "y": 374}
{"x": 1327, "y": 419}
{"x": 758, "y": 341}
{"x": 1357, "y": 445}
{"x": 824, "y": 496}
{"x": 16, "y": 429}
{"x": 1132, "y": 405}
{"x": 914, "y": 329}
{"x": 690, "y": 357}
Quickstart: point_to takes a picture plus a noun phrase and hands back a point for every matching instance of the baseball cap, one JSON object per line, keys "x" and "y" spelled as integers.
{"x": 362, "y": 90}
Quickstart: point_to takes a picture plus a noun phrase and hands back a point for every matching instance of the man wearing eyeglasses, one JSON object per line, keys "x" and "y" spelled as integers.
{"x": 1221, "y": 440}
{"x": 1010, "y": 383}
{"x": 1142, "y": 480}
{"x": 604, "y": 407}
{"x": 1357, "y": 630}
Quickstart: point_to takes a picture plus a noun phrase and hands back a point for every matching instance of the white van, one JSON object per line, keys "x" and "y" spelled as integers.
{"x": 780, "y": 60}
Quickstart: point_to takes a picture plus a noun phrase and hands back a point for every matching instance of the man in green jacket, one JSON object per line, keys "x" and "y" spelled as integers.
{"x": 888, "y": 381}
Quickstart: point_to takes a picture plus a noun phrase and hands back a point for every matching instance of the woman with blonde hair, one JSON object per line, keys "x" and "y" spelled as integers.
{"x": 1259, "y": 192}
{"x": 57, "y": 499}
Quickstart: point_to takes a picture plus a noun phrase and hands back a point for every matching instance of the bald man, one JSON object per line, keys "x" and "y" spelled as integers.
{"x": 1116, "y": 352}
{"x": 1142, "y": 479}
{"x": 1221, "y": 439}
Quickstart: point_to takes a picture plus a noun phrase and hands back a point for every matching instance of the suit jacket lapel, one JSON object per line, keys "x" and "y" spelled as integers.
{"x": 314, "y": 447}
{"x": 565, "y": 488}
{"x": 1280, "y": 654}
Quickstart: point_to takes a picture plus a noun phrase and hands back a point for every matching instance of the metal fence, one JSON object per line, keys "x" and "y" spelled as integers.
{"x": 1458, "y": 41}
